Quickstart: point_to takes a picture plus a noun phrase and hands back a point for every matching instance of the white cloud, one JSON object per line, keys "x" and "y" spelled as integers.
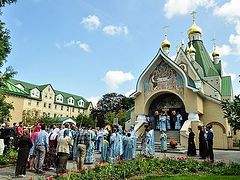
{"x": 183, "y": 7}
{"x": 235, "y": 40}
{"x": 91, "y": 22}
{"x": 84, "y": 47}
{"x": 128, "y": 93}
{"x": 74, "y": 44}
{"x": 115, "y": 30}
{"x": 224, "y": 50}
{"x": 94, "y": 100}
{"x": 229, "y": 9}
{"x": 115, "y": 78}
{"x": 58, "y": 45}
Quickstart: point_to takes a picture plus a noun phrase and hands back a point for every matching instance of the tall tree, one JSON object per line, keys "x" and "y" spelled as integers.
{"x": 5, "y": 75}
{"x": 232, "y": 112}
{"x": 111, "y": 106}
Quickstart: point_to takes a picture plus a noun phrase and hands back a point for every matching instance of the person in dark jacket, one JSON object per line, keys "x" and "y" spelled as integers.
{"x": 202, "y": 143}
{"x": 24, "y": 145}
{"x": 191, "y": 143}
{"x": 210, "y": 143}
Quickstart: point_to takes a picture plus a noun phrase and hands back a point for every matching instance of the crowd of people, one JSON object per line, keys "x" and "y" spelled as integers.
{"x": 41, "y": 148}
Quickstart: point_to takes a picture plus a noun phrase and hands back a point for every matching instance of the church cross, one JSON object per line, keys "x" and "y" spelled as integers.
{"x": 165, "y": 28}
{"x": 214, "y": 43}
{"x": 193, "y": 13}
{"x": 165, "y": 109}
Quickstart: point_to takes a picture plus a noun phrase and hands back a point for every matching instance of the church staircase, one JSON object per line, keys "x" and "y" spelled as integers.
{"x": 172, "y": 135}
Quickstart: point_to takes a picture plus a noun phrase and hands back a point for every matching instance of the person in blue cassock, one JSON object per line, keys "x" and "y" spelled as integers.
{"x": 128, "y": 142}
{"x": 112, "y": 141}
{"x": 163, "y": 140}
{"x": 178, "y": 121}
{"x": 90, "y": 137}
{"x": 134, "y": 139}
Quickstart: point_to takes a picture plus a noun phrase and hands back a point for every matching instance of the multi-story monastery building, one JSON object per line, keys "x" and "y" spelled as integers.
{"x": 192, "y": 84}
{"x": 44, "y": 99}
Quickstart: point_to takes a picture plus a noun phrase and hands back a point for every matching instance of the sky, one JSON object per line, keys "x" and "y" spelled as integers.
{"x": 90, "y": 48}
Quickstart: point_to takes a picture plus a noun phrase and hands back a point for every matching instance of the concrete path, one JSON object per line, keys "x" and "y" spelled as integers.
{"x": 220, "y": 155}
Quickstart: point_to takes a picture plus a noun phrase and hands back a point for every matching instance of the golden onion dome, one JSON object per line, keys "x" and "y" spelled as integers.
{"x": 166, "y": 43}
{"x": 215, "y": 53}
{"x": 192, "y": 49}
{"x": 194, "y": 29}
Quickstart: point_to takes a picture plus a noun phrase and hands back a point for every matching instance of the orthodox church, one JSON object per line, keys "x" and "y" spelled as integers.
{"x": 191, "y": 85}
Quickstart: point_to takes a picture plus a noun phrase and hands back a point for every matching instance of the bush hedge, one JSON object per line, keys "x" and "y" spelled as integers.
{"x": 160, "y": 167}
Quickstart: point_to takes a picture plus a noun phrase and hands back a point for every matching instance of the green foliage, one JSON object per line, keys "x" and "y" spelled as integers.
{"x": 83, "y": 120}
{"x": 31, "y": 117}
{"x": 112, "y": 106}
{"x": 4, "y": 2}
{"x": 158, "y": 167}
{"x": 232, "y": 112}
{"x": 9, "y": 158}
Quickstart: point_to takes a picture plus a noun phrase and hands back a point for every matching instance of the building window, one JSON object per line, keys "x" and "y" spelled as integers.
{"x": 49, "y": 89}
{"x": 55, "y": 115}
{"x": 72, "y": 101}
{"x": 29, "y": 102}
{"x": 37, "y": 103}
{"x": 67, "y": 108}
{"x": 49, "y": 105}
{"x": 44, "y": 114}
{"x": 78, "y": 110}
{"x": 61, "y": 107}
{"x": 49, "y": 114}
{"x": 66, "y": 115}
{"x": 45, "y": 95}
{"x": 55, "y": 106}
{"x": 61, "y": 115}
{"x": 45, "y": 104}
{"x": 73, "y": 109}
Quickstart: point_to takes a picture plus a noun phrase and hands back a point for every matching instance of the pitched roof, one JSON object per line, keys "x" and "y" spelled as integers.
{"x": 29, "y": 86}
{"x": 226, "y": 86}
{"x": 204, "y": 60}
{"x": 12, "y": 89}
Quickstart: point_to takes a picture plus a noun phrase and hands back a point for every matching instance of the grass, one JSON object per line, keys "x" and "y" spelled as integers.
{"x": 193, "y": 177}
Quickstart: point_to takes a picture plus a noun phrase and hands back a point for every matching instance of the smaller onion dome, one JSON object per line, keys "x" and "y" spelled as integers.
{"x": 166, "y": 43}
{"x": 194, "y": 29}
{"x": 215, "y": 53}
{"x": 192, "y": 49}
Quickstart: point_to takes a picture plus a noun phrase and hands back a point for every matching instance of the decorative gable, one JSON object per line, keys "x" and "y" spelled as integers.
{"x": 81, "y": 103}
{"x": 35, "y": 93}
{"x": 20, "y": 86}
{"x": 164, "y": 77}
{"x": 70, "y": 101}
{"x": 59, "y": 98}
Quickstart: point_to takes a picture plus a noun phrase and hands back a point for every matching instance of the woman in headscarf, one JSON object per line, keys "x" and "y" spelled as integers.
{"x": 63, "y": 153}
{"x": 24, "y": 145}
{"x": 50, "y": 157}
{"x": 32, "y": 150}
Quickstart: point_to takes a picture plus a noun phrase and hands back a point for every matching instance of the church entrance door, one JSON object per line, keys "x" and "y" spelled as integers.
{"x": 167, "y": 112}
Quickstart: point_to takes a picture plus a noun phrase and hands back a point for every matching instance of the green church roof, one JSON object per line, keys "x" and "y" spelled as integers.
{"x": 226, "y": 88}
{"x": 204, "y": 60}
{"x": 219, "y": 67}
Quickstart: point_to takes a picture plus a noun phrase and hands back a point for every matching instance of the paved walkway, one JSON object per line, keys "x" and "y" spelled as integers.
{"x": 220, "y": 155}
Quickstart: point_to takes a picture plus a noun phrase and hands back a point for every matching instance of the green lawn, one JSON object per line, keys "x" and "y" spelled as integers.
{"x": 194, "y": 177}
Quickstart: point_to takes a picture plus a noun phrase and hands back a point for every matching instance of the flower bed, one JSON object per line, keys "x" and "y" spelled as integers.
{"x": 161, "y": 167}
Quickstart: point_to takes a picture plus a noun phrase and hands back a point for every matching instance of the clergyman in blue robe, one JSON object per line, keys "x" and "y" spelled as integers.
{"x": 134, "y": 139}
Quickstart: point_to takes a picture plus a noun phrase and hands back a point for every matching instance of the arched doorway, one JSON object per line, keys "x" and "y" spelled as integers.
{"x": 167, "y": 103}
